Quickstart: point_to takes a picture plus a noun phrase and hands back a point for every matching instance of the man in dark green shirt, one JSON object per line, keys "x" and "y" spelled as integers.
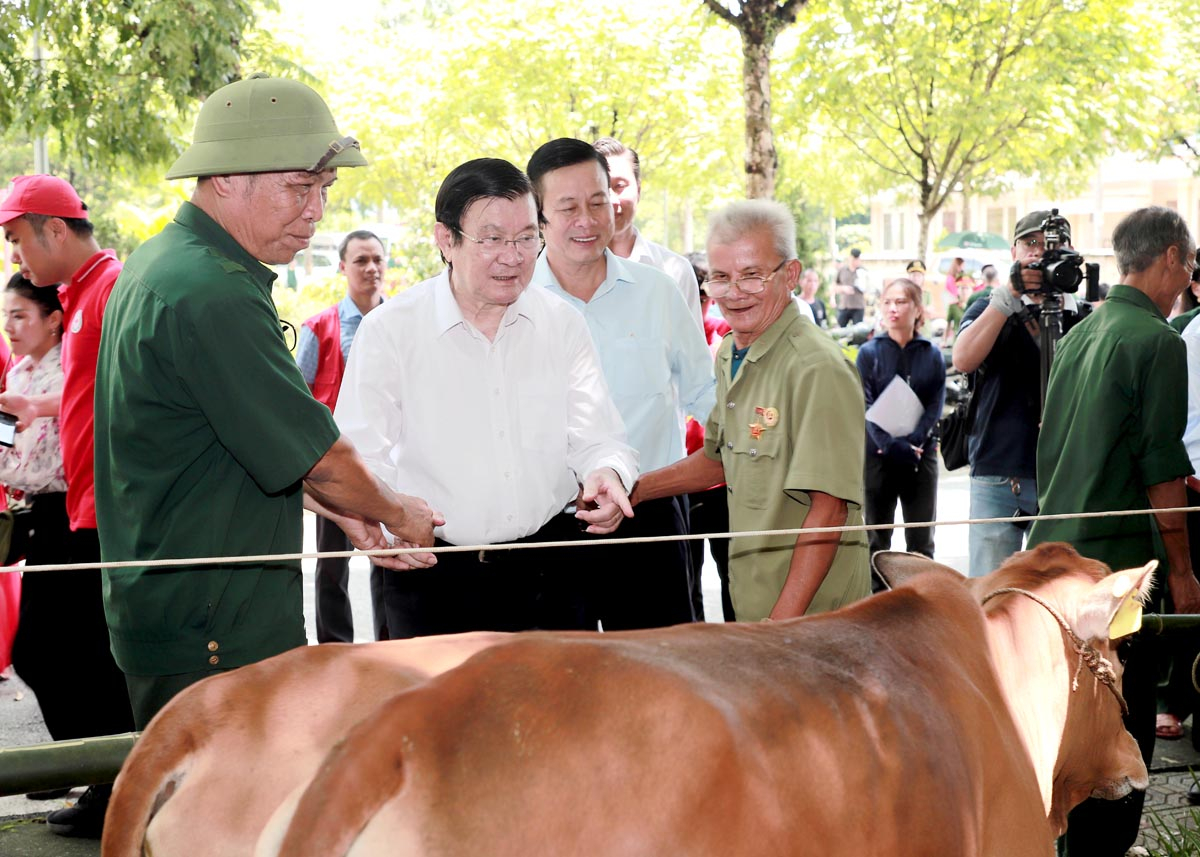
{"x": 1112, "y": 439}
{"x": 208, "y": 441}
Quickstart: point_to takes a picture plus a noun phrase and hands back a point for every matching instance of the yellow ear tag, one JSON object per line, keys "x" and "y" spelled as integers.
{"x": 1128, "y": 618}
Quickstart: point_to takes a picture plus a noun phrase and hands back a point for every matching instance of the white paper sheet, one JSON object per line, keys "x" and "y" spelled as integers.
{"x": 896, "y": 410}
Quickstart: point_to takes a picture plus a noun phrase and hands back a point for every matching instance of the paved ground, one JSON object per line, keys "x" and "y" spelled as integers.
{"x": 22, "y": 834}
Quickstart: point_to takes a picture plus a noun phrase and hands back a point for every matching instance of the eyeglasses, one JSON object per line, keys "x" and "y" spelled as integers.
{"x": 751, "y": 285}
{"x": 289, "y": 334}
{"x": 1032, "y": 243}
{"x": 494, "y": 244}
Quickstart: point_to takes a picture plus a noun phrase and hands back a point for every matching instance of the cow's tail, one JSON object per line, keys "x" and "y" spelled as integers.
{"x": 150, "y": 776}
{"x": 361, "y": 773}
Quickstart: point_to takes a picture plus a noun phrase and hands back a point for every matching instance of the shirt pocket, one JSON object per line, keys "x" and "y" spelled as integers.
{"x": 756, "y": 464}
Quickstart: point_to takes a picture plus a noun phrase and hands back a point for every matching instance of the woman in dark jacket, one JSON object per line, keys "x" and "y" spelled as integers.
{"x": 902, "y": 468}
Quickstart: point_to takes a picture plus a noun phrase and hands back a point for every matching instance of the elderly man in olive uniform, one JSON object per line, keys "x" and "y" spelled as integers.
{"x": 1112, "y": 439}
{"x": 788, "y": 431}
{"x": 208, "y": 441}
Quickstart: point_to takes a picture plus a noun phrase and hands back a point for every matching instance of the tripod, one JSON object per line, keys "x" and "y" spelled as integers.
{"x": 1050, "y": 331}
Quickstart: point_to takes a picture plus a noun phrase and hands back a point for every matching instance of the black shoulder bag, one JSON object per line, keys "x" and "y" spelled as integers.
{"x": 955, "y": 428}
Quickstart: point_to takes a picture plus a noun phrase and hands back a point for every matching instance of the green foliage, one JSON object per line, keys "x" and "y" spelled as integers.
{"x": 853, "y": 235}
{"x": 499, "y": 79}
{"x": 1176, "y": 840}
{"x": 117, "y": 79}
{"x": 938, "y": 97}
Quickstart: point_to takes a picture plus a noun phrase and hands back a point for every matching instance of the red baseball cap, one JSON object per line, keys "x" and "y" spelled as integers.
{"x": 40, "y": 194}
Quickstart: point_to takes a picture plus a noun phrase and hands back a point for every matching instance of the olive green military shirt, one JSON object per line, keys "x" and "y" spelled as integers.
{"x": 204, "y": 429}
{"x": 791, "y": 422}
{"x": 1116, "y": 408}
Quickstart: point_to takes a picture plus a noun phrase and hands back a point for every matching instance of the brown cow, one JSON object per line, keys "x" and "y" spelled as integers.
{"x": 214, "y": 764}
{"x": 885, "y": 728}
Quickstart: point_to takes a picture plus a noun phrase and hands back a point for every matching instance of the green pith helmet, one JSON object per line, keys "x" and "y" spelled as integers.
{"x": 265, "y": 125}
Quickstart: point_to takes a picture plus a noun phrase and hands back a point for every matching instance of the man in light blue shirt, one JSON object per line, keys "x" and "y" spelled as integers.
{"x": 655, "y": 361}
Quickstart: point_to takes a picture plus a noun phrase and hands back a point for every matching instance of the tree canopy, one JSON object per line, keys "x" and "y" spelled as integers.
{"x": 936, "y": 97}
{"x": 109, "y": 80}
{"x": 499, "y": 80}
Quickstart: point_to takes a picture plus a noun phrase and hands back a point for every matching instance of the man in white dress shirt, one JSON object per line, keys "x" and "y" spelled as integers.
{"x": 625, "y": 182}
{"x": 490, "y": 397}
{"x": 655, "y": 360}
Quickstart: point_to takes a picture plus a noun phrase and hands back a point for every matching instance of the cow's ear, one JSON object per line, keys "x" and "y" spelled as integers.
{"x": 895, "y": 568}
{"x": 1112, "y": 607}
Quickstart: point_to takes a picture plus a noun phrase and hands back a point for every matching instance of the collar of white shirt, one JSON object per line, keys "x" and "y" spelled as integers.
{"x": 448, "y": 313}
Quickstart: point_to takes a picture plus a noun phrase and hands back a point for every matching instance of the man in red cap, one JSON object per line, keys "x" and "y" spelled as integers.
{"x": 80, "y": 689}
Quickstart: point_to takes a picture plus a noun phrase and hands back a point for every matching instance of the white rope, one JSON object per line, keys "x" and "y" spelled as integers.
{"x": 861, "y": 528}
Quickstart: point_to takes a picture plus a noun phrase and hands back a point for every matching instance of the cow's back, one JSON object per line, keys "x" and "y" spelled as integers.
{"x": 876, "y": 730}
{"x": 217, "y": 760}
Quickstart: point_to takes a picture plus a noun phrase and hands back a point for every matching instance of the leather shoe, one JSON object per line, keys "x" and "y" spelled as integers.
{"x": 1193, "y": 795}
{"x": 86, "y": 818}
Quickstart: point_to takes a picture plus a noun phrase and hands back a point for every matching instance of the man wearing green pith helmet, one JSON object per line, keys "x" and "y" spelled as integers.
{"x": 208, "y": 441}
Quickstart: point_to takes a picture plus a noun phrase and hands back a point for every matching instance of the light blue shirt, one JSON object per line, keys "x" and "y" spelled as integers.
{"x": 307, "y": 347}
{"x": 655, "y": 360}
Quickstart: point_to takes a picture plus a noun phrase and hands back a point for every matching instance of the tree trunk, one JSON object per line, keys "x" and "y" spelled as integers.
{"x": 761, "y": 159}
{"x": 933, "y": 278}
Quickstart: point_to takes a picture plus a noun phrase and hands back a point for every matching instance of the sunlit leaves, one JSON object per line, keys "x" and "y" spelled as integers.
{"x": 115, "y": 77}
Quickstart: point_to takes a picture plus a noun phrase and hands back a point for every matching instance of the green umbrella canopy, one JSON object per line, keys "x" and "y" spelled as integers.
{"x": 972, "y": 241}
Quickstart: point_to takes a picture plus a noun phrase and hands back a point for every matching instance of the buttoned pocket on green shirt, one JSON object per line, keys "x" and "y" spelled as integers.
{"x": 755, "y": 475}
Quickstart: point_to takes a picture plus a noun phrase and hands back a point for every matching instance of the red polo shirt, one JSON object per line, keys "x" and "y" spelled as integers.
{"x": 83, "y": 300}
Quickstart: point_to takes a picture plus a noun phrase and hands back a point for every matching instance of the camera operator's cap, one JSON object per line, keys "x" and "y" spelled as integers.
{"x": 41, "y": 194}
{"x": 265, "y": 124}
{"x": 915, "y": 266}
{"x": 1032, "y": 222}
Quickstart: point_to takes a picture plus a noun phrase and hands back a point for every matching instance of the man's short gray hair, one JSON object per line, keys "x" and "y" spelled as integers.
{"x": 1146, "y": 234}
{"x": 730, "y": 222}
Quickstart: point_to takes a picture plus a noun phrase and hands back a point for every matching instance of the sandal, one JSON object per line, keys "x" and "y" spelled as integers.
{"x": 1168, "y": 727}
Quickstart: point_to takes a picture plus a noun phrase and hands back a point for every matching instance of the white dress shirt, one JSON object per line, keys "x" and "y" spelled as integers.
{"x": 1191, "y": 435}
{"x": 677, "y": 267}
{"x": 655, "y": 359}
{"x": 495, "y": 435}
{"x": 805, "y": 309}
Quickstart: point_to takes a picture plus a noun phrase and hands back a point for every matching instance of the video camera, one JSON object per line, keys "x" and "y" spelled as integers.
{"x": 1062, "y": 269}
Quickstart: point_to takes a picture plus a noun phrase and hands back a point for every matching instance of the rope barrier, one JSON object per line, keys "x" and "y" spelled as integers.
{"x": 859, "y": 528}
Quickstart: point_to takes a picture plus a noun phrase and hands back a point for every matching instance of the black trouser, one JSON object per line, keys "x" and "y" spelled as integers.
{"x": 847, "y": 317}
{"x": 379, "y": 612}
{"x": 1181, "y": 648}
{"x": 915, "y": 487}
{"x": 62, "y": 650}
{"x": 1108, "y": 828}
{"x": 493, "y": 590}
{"x": 335, "y": 620}
{"x": 710, "y": 514}
{"x": 646, "y": 585}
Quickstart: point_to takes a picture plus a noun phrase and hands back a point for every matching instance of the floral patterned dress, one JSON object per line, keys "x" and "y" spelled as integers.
{"x": 34, "y": 463}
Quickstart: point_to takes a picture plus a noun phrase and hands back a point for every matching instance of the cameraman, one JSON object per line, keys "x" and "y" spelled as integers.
{"x": 998, "y": 341}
